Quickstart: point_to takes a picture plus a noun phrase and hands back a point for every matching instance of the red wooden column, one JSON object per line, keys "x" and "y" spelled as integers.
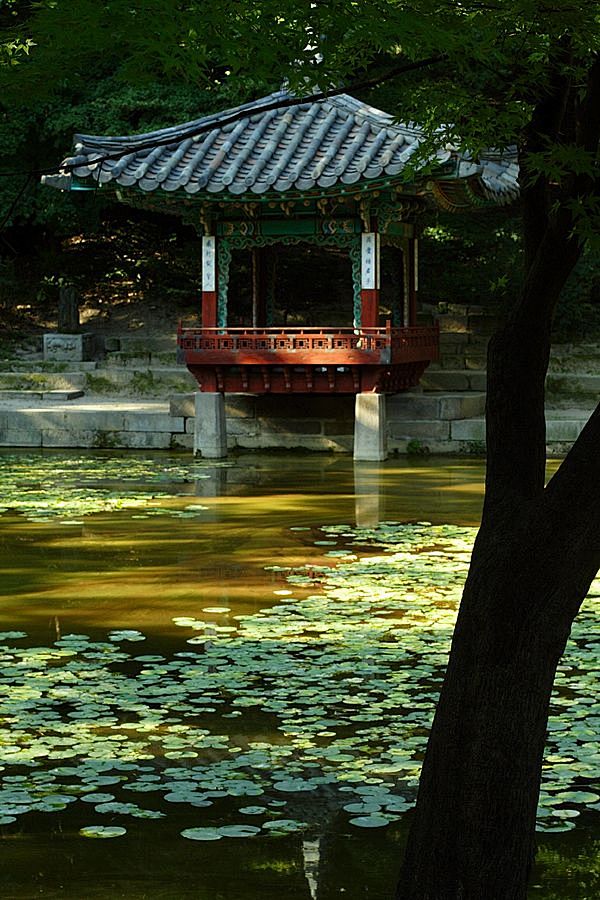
{"x": 209, "y": 282}
{"x": 369, "y": 280}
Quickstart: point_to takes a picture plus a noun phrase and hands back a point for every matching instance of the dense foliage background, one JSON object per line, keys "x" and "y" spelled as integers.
{"x": 91, "y": 67}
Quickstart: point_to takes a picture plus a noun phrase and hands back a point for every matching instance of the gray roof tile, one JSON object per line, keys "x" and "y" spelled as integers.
{"x": 310, "y": 144}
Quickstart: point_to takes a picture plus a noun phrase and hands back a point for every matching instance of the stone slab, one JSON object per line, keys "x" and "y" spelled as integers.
{"x": 69, "y": 347}
{"x": 182, "y": 442}
{"x": 316, "y": 443}
{"x": 573, "y": 385}
{"x": 427, "y": 447}
{"x": 564, "y": 429}
{"x": 290, "y": 426}
{"x": 20, "y": 437}
{"x": 240, "y": 426}
{"x": 42, "y": 381}
{"x": 478, "y": 381}
{"x": 418, "y": 429}
{"x": 20, "y": 395}
{"x": 446, "y": 380}
{"x": 468, "y": 430}
{"x": 62, "y": 395}
{"x": 153, "y": 422}
{"x": 106, "y": 440}
{"x": 461, "y": 405}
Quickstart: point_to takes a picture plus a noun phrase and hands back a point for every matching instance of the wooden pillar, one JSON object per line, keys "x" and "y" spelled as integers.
{"x": 209, "y": 282}
{"x": 369, "y": 280}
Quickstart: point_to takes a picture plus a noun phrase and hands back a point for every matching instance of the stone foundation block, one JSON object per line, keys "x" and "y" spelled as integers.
{"x": 61, "y": 437}
{"x": 468, "y": 430}
{"x": 290, "y": 426}
{"x": 144, "y": 440}
{"x": 243, "y": 426}
{"x": 153, "y": 422}
{"x": 18, "y": 437}
{"x": 461, "y": 406}
{"x": 564, "y": 430}
{"x": 478, "y": 381}
{"x": 419, "y": 429}
{"x": 428, "y": 447}
{"x": 182, "y": 442}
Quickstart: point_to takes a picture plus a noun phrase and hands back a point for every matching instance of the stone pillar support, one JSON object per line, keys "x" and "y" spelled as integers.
{"x": 210, "y": 431}
{"x": 370, "y": 432}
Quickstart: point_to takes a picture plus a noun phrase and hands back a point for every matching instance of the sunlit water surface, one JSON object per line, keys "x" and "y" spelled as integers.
{"x": 218, "y": 678}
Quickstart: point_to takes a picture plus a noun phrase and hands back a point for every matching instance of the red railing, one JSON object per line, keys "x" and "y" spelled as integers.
{"x": 317, "y": 340}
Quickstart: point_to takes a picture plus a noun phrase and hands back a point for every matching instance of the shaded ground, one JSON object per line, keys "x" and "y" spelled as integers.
{"x": 130, "y": 273}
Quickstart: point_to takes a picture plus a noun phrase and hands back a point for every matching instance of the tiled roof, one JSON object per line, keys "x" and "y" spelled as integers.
{"x": 309, "y": 145}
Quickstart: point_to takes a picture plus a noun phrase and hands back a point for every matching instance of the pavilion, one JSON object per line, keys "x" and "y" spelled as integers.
{"x": 334, "y": 173}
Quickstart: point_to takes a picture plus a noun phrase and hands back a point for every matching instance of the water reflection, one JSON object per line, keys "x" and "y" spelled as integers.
{"x": 204, "y": 543}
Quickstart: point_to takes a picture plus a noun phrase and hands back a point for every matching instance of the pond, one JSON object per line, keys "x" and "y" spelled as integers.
{"x": 217, "y": 679}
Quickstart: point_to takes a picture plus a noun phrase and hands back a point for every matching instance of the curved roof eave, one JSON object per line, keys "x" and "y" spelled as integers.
{"x": 265, "y": 150}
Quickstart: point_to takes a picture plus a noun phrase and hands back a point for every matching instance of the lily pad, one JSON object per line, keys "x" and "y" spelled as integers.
{"x": 202, "y": 834}
{"x": 102, "y": 831}
{"x": 371, "y": 821}
{"x": 239, "y": 831}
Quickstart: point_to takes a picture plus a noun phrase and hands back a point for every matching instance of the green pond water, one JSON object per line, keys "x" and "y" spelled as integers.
{"x": 217, "y": 679}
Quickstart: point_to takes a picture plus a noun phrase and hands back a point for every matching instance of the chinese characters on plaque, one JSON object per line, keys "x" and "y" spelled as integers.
{"x": 369, "y": 261}
{"x": 209, "y": 263}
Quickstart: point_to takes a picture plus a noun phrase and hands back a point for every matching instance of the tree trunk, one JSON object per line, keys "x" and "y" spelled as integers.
{"x": 68, "y": 310}
{"x": 536, "y": 554}
{"x": 473, "y": 833}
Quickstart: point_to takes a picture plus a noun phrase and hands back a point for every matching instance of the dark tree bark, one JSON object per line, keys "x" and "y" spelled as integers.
{"x": 535, "y": 556}
{"x": 68, "y": 310}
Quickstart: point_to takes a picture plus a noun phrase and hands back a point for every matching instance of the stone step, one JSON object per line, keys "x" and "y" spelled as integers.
{"x": 157, "y": 383}
{"x": 42, "y": 382}
{"x": 40, "y": 395}
{"x": 38, "y": 364}
{"x": 559, "y": 429}
{"x": 453, "y": 380}
{"x": 575, "y": 363}
{"x": 572, "y": 386}
{"x": 141, "y": 344}
{"x": 135, "y": 359}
